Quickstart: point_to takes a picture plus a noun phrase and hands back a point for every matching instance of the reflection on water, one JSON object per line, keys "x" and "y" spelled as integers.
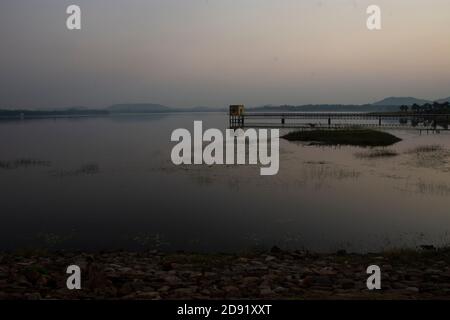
{"x": 104, "y": 183}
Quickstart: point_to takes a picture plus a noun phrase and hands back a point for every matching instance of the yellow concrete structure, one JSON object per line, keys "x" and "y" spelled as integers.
{"x": 236, "y": 110}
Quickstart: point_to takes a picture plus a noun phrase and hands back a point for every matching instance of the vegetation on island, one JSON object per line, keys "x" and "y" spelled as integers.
{"x": 351, "y": 137}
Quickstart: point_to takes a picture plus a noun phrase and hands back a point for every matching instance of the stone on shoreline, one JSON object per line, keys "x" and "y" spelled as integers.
{"x": 271, "y": 275}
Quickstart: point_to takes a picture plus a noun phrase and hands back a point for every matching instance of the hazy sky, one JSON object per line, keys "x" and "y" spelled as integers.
{"x": 220, "y": 52}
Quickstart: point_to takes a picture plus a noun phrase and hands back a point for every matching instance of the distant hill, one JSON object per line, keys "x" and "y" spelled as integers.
{"x": 312, "y": 108}
{"x": 443, "y": 100}
{"x": 390, "y": 104}
{"x": 138, "y": 108}
{"x": 327, "y": 108}
{"x": 400, "y": 101}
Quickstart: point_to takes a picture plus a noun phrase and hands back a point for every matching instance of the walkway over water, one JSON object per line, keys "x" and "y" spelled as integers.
{"x": 336, "y": 120}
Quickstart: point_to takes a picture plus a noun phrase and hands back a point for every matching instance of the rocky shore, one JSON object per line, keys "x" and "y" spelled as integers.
{"x": 276, "y": 274}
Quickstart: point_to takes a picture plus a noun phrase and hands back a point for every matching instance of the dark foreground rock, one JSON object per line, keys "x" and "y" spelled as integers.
{"x": 271, "y": 275}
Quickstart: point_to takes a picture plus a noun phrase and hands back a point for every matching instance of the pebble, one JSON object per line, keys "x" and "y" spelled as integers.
{"x": 280, "y": 274}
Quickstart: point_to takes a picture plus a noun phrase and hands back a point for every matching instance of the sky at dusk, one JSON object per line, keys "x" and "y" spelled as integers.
{"x": 187, "y": 53}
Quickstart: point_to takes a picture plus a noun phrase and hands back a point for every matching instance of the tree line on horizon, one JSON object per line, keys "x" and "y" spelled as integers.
{"x": 434, "y": 107}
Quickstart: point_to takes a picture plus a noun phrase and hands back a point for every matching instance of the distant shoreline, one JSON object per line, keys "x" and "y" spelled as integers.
{"x": 62, "y": 115}
{"x": 391, "y": 104}
{"x": 147, "y": 109}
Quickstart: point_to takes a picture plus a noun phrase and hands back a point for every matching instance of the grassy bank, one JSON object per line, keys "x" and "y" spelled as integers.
{"x": 352, "y": 137}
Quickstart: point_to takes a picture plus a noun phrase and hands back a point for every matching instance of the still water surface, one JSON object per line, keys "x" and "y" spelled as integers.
{"x": 108, "y": 183}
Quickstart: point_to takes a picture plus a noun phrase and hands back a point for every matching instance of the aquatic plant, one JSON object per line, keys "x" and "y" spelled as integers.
{"x": 85, "y": 169}
{"x": 376, "y": 153}
{"x": 23, "y": 163}
{"x": 426, "y": 149}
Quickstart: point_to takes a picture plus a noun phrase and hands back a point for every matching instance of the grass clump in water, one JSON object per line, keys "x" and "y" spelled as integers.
{"x": 23, "y": 163}
{"x": 84, "y": 170}
{"x": 351, "y": 137}
{"x": 376, "y": 153}
{"x": 426, "y": 149}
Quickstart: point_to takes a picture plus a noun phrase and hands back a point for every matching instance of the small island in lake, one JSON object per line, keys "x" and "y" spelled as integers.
{"x": 351, "y": 137}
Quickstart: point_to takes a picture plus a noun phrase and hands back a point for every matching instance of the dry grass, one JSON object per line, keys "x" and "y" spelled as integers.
{"x": 425, "y": 149}
{"x": 23, "y": 163}
{"x": 376, "y": 153}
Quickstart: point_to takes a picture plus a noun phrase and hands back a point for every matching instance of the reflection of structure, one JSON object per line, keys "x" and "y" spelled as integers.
{"x": 336, "y": 120}
{"x": 237, "y": 115}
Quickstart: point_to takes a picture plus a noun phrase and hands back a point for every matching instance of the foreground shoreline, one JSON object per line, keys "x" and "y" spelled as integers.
{"x": 275, "y": 274}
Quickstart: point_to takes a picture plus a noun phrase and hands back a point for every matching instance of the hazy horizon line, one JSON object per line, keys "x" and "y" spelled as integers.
{"x": 214, "y": 107}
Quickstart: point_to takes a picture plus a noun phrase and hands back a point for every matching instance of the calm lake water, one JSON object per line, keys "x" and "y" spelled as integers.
{"x": 108, "y": 183}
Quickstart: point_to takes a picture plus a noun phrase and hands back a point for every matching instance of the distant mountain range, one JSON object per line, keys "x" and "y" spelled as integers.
{"x": 386, "y": 105}
{"x": 444, "y": 100}
{"x": 400, "y": 101}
